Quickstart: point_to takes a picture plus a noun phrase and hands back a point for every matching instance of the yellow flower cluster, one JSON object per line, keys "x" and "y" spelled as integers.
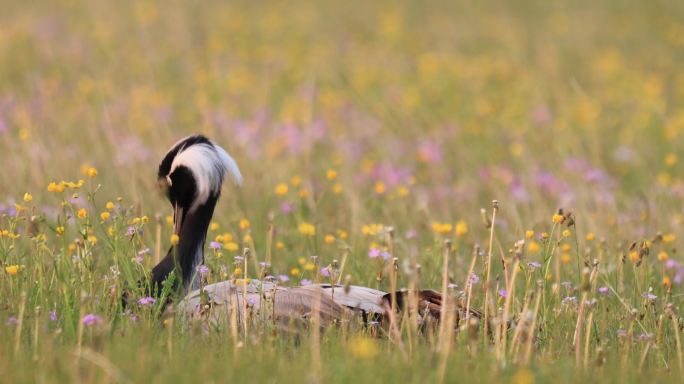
{"x": 441, "y": 228}
{"x": 372, "y": 229}
{"x": 307, "y": 229}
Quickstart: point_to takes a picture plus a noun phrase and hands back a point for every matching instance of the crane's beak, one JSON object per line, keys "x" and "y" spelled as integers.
{"x": 177, "y": 218}
{"x": 165, "y": 188}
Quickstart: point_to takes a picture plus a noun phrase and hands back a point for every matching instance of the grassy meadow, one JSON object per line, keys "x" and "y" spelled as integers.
{"x": 367, "y": 132}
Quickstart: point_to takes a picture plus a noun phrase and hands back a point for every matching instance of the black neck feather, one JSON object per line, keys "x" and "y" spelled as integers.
{"x": 189, "y": 252}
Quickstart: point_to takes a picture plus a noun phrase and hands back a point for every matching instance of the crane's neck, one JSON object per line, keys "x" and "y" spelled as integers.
{"x": 188, "y": 254}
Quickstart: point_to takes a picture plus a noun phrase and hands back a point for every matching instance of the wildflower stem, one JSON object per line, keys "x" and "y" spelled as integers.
{"x": 20, "y": 322}
{"x": 495, "y": 208}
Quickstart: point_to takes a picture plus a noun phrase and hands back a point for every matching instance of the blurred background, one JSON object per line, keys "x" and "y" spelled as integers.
{"x": 399, "y": 112}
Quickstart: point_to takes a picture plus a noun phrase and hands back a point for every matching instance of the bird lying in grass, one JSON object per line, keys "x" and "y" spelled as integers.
{"x": 191, "y": 175}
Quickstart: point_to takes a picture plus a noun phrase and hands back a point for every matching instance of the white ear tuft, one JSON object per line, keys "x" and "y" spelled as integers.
{"x": 229, "y": 165}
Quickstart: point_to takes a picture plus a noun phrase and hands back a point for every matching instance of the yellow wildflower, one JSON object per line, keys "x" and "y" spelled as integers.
{"x": 663, "y": 256}
{"x": 557, "y": 218}
{"x": 296, "y": 181}
{"x": 109, "y": 206}
{"x": 12, "y": 270}
{"x": 303, "y": 193}
{"x": 82, "y": 213}
{"x": 91, "y": 172}
{"x": 27, "y": 197}
{"x": 667, "y": 282}
{"x": 342, "y": 234}
{"x": 247, "y": 238}
{"x": 55, "y": 187}
{"x": 104, "y": 216}
{"x": 566, "y": 248}
{"x": 590, "y": 236}
{"x": 633, "y": 256}
{"x": 523, "y": 376}
{"x": 244, "y": 224}
{"x": 567, "y": 233}
{"x": 213, "y": 226}
{"x": 565, "y": 258}
{"x": 669, "y": 238}
{"x": 337, "y": 188}
{"x": 402, "y": 191}
{"x": 307, "y": 229}
{"x": 231, "y": 246}
{"x": 363, "y": 347}
{"x": 529, "y": 234}
{"x": 92, "y": 239}
{"x": 670, "y": 159}
{"x": 309, "y": 266}
{"x": 379, "y": 188}
{"x": 280, "y": 245}
{"x": 461, "y": 228}
{"x": 441, "y": 228}
{"x": 169, "y": 219}
{"x": 295, "y": 271}
{"x": 175, "y": 239}
{"x": 331, "y": 174}
{"x": 533, "y": 247}
{"x": 281, "y": 189}
{"x": 329, "y": 239}
{"x": 59, "y": 230}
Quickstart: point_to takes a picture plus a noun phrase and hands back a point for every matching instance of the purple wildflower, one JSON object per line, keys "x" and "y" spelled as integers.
{"x": 252, "y": 301}
{"x": 215, "y": 245}
{"x": 452, "y": 286}
{"x": 474, "y": 279}
{"x": 305, "y": 282}
{"x": 203, "y": 270}
{"x": 644, "y": 336}
{"x": 503, "y": 293}
{"x": 374, "y": 253}
{"x": 284, "y": 278}
{"x": 649, "y": 296}
{"x": 91, "y": 319}
{"x": 146, "y": 301}
{"x": 604, "y": 291}
{"x": 325, "y": 272}
{"x": 12, "y": 320}
{"x": 569, "y": 300}
{"x": 385, "y": 255}
{"x": 534, "y": 265}
{"x": 621, "y": 333}
{"x": 286, "y": 208}
{"x": 410, "y": 234}
{"x": 264, "y": 264}
{"x": 53, "y": 315}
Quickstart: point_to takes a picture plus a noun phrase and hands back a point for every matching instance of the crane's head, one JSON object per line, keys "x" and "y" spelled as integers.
{"x": 190, "y": 175}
